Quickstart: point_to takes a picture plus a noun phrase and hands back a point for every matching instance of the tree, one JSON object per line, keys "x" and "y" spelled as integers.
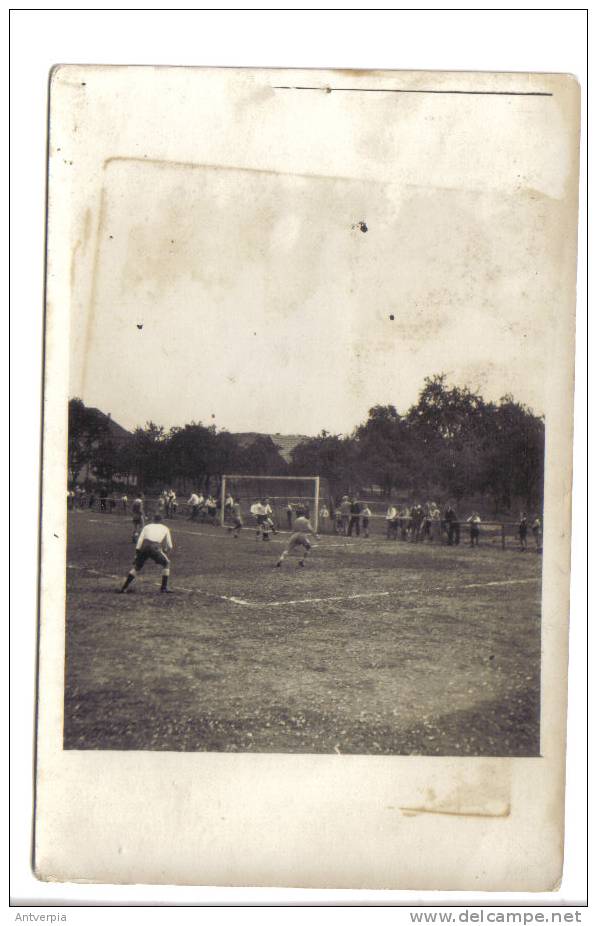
{"x": 384, "y": 448}
{"x": 190, "y": 448}
{"x": 329, "y": 455}
{"x": 149, "y": 456}
{"x": 513, "y": 463}
{"x": 88, "y": 434}
{"x": 262, "y": 456}
{"x": 449, "y": 427}
{"x": 227, "y": 456}
{"x": 451, "y": 441}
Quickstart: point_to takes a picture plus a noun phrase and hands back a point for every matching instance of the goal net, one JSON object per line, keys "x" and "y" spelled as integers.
{"x": 288, "y": 496}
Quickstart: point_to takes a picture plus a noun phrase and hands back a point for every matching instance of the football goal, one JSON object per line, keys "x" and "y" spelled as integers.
{"x": 288, "y": 496}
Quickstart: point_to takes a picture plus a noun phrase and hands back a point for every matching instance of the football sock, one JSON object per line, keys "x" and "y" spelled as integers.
{"x": 130, "y": 578}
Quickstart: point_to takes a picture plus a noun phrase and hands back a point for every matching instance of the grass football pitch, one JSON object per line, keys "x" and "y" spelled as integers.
{"x": 375, "y": 647}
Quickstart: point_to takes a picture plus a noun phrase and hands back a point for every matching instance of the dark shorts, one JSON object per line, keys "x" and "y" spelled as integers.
{"x": 153, "y": 551}
{"x": 299, "y": 540}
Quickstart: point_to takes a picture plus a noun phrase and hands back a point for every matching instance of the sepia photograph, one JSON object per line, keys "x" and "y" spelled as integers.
{"x": 305, "y": 446}
{"x": 307, "y": 470}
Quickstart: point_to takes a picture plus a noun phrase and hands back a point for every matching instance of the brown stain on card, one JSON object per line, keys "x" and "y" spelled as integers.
{"x": 80, "y": 245}
{"x": 73, "y": 263}
{"x": 414, "y": 811}
{"x": 88, "y": 340}
{"x": 480, "y": 790}
{"x": 193, "y": 165}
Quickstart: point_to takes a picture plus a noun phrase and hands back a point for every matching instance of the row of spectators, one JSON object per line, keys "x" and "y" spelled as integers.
{"x": 412, "y": 522}
{"x": 416, "y": 522}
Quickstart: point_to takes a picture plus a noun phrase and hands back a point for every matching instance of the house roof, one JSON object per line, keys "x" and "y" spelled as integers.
{"x": 116, "y": 430}
{"x": 285, "y": 442}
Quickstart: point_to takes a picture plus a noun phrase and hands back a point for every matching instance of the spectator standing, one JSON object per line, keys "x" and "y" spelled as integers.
{"x": 523, "y": 527}
{"x": 536, "y": 529}
{"x": 289, "y": 511}
{"x": 355, "y": 517}
{"x": 345, "y": 508}
{"x": 453, "y": 525}
{"x": 404, "y": 522}
{"x": 324, "y": 517}
{"x": 366, "y": 514}
{"x": 435, "y": 531}
{"x": 416, "y": 522}
{"x": 391, "y": 523}
{"x": 475, "y": 528}
{"x": 338, "y": 521}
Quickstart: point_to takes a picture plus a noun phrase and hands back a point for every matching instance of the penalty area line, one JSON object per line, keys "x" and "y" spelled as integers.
{"x": 451, "y": 588}
{"x": 279, "y": 604}
{"x": 201, "y": 591}
{"x": 177, "y": 588}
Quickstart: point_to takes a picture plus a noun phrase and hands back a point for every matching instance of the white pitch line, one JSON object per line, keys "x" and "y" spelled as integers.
{"x": 180, "y": 588}
{"x": 201, "y": 591}
{"x": 277, "y": 604}
{"x": 443, "y": 588}
{"x": 447, "y": 588}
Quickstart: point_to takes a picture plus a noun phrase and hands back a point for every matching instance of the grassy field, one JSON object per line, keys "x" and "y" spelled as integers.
{"x": 374, "y": 647}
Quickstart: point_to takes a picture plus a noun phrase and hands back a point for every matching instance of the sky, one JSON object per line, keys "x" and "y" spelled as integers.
{"x": 250, "y": 297}
{"x": 258, "y": 303}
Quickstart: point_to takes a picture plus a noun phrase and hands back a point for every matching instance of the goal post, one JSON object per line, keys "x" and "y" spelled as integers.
{"x": 285, "y": 493}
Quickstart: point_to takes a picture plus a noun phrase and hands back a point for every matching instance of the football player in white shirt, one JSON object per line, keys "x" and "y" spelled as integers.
{"x": 194, "y": 503}
{"x": 269, "y": 514}
{"x": 259, "y": 513}
{"x": 171, "y": 504}
{"x": 154, "y": 540}
{"x": 300, "y": 539}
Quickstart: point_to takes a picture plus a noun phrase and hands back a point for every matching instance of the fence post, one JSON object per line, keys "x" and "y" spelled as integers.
{"x": 503, "y": 536}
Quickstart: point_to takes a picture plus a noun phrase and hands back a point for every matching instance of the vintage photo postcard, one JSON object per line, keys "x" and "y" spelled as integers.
{"x": 306, "y": 478}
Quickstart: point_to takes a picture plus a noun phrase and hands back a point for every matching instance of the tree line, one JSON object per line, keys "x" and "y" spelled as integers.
{"x": 194, "y": 456}
{"x": 450, "y": 443}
